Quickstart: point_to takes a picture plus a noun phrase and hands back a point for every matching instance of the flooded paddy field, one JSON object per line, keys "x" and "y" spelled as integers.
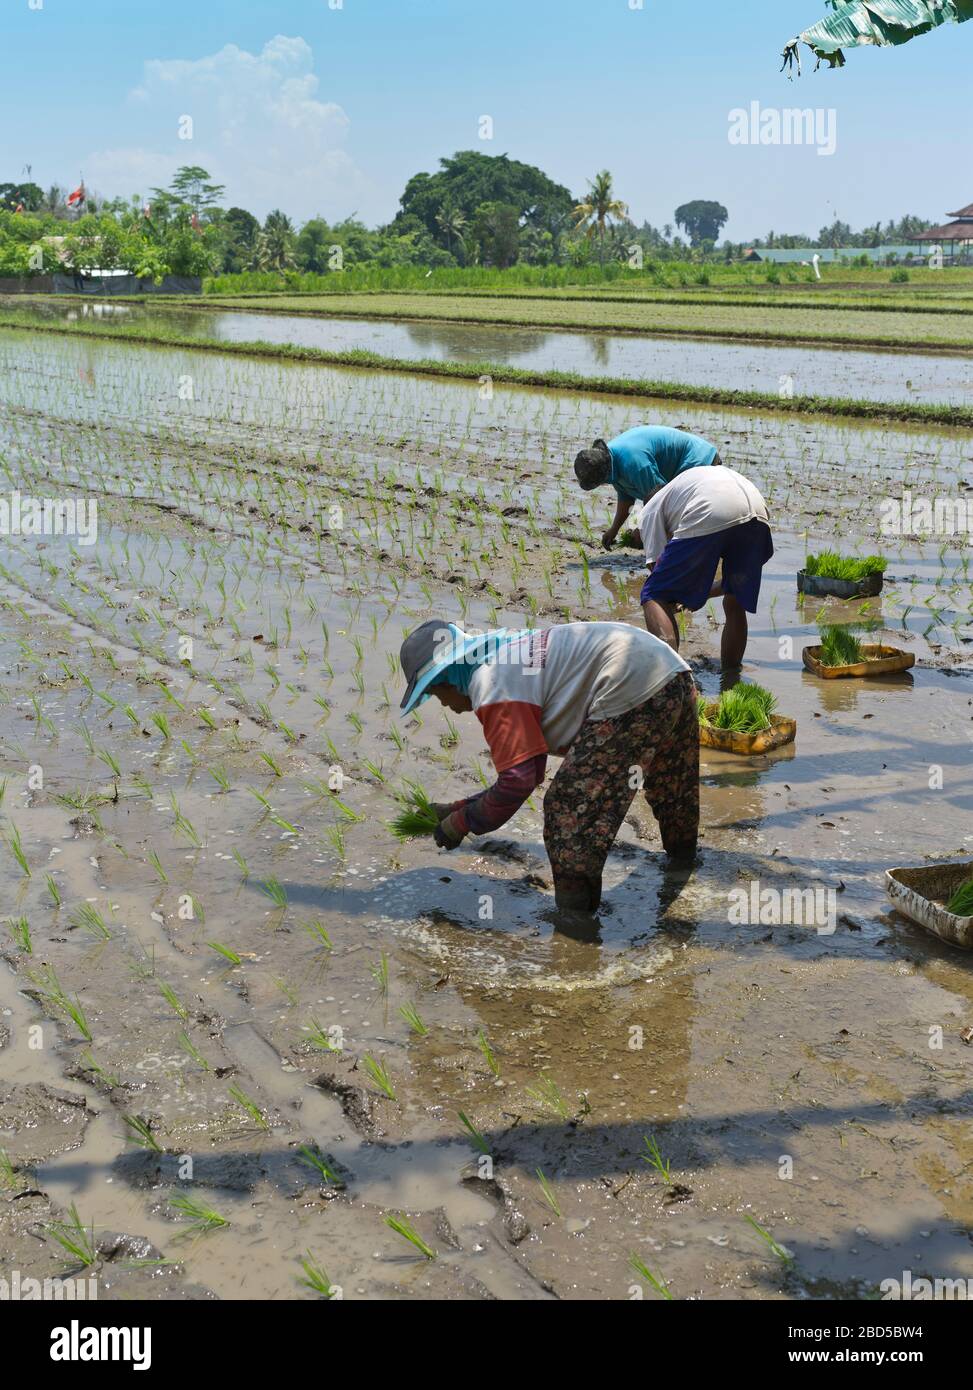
{"x": 796, "y": 370}
{"x": 228, "y": 994}
{"x": 948, "y": 323}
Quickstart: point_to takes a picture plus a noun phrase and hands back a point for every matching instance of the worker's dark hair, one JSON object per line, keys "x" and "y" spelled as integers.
{"x": 593, "y": 466}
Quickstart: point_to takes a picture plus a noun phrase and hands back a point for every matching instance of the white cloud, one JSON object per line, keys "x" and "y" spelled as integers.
{"x": 259, "y": 127}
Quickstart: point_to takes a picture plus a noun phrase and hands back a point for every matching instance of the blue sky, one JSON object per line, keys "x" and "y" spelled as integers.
{"x": 330, "y": 110}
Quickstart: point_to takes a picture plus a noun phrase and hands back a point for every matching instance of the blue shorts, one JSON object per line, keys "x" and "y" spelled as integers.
{"x": 687, "y": 569}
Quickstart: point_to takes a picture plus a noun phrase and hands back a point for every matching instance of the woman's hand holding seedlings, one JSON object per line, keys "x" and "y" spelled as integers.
{"x": 447, "y": 834}
{"x": 608, "y": 539}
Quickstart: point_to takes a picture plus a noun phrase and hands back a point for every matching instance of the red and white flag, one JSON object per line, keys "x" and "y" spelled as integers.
{"x": 76, "y": 198}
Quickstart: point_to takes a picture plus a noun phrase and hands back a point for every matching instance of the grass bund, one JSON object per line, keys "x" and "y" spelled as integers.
{"x": 501, "y": 374}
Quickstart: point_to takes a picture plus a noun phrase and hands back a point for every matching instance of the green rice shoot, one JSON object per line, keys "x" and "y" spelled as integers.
{"x": 745, "y": 709}
{"x": 416, "y": 816}
{"x": 961, "y": 903}
{"x": 830, "y": 565}
{"x": 840, "y": 647}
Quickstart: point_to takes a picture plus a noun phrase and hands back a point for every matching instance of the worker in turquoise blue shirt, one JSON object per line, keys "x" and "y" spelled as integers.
{"x": 638, "y": 463}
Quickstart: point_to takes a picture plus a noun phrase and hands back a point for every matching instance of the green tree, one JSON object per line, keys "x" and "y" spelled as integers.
{"x": 595, "y": 212}
{"x": 239, "y": 230}
{"x": 12, "y": 195}
{"x": 701, "y": 220}
{"x": 494, "y": 235}
{"x": 275, "y": 244}
{"x": 467, "y": 181}
{"x": 452, "y": 223}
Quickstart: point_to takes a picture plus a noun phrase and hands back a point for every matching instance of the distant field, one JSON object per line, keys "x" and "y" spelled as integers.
{"x": 843, "y": 325}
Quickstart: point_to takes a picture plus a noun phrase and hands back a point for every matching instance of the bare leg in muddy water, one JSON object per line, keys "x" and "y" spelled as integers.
{"x": 660, "y": 619}
{"x": 735, "y": 634}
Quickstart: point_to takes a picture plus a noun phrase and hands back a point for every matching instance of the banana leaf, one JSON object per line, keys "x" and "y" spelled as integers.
{"x": 879, "y": 22}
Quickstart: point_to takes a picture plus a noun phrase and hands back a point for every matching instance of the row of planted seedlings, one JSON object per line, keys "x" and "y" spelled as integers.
{"x": 98, "y": 923}
{"x": 92, "y": 918}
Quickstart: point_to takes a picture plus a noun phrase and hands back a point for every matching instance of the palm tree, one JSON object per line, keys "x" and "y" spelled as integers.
{"x": 598, "y": 208}
{"x": 451, "y": 222}
{"x": 274, "y": 249}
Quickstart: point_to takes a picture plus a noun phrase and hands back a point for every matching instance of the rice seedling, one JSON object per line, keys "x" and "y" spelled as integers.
{"x": 412, "y": 1018}
{"x": 404, "y": 1228}
{"x": 201, "y": 1218}
{"x": 220, "y": 777}
{"x": 477, "y": 1135}
{"x": 830, "y": 565}
{"x": 780, "y": 1251}
{"x": 9, "y": 1177}
{"x": 549, "y": 1195}
{"x": 335, "y": 837}
{"x": 417, "y": 817}
{"x": 961, "y": 903}
{"x": 653, "y": 1156}
{"x": 380, "y": 974}
{"x": 318, "y": 1037}
{"x": 54, "y": 994}
{"x": 190, "y": 1049}
{"x": 275, "y": 891}
{"x": 173, "y": 1000}
{"x": 16, "y": 848}
{"x": 140, "y": 1132}
{"x": 225, "y": 952}
{"x": 20, "y": 931}
{"x": 839, "y": 647}
{"x": 109, "y": 1079}
{"x": 490, "y": 1056}
{"x": 318, "y": 933}
{"x": 745, "y": 709}
{"x": 110, "y": 761}
{"x": 643, "y": 1271}
{"x": 89, "y": 919}
{"x": 313, "y": 1158}
{"x": 75, "y": 1239}
{"x": 250, "y": 1106}
{"x": 316, "y": 1277}
{"x": 53, "y": 891}
{"x": 547, "y": 1095}
{"x": 272, "y": 763}
{"x": 380, "y": 1075}
{"x": 242, "y": 863}
{"x": 156, "y": 863}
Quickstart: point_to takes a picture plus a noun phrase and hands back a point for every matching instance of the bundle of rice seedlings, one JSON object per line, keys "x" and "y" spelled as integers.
{"x": 416, "y": 816}
{"x": 830, "y": 565}
{"x": 961, "y": 903}
{"x": 746, "y": 709}
{"x": 839, "y": 647}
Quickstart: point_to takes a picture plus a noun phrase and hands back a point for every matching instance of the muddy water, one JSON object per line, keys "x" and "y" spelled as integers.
{"x": 799, "y": 370}
{"x": 735, "y": 1046}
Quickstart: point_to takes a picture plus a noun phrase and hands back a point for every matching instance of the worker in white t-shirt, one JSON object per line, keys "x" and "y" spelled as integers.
{"x": 705, "y": 518}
